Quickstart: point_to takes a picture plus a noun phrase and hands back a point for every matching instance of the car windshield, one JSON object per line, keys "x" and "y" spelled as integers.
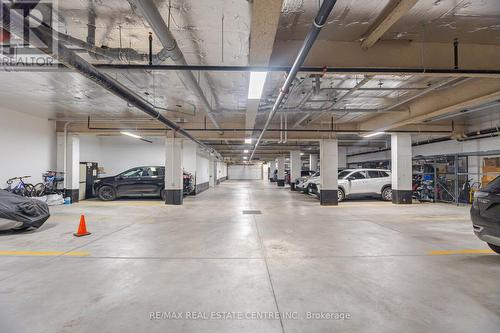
{"x": 494, "y": 185}
{"x": 343, "y": 174}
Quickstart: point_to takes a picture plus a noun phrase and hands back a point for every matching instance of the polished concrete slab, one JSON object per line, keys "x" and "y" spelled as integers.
{"x": 364, "y": 266}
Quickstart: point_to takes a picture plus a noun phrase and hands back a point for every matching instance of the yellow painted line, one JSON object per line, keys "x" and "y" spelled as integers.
{"x": 44, "y": 253}
{"x": 448, "y": 252}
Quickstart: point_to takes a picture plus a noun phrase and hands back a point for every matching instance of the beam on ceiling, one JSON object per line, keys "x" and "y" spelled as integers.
{"x": 391, "y": 54}
{"x": 472, "y": 93}
{"x": 393, "y": 12}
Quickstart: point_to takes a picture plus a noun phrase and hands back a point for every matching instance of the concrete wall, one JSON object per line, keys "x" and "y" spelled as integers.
{"x": 119, "y": 153}
{"x": 27, "y": 146}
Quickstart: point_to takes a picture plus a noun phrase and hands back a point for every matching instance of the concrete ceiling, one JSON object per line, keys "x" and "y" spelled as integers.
{"x": 233, "y": 33}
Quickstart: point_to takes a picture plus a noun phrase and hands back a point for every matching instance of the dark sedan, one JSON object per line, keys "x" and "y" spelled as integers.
{"x": 485, "y": 214}
{"x": 146, "y": 181}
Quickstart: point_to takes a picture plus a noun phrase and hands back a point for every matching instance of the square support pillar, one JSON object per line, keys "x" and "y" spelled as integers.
{"x": 71, "y": 157}
{"x": 280, "y": 162}
{"x": 295, "y": 167}
{"x": 342, "y": 157}
{"x": 272, "y": 170}
{"x": 313, "y": 162}
{"x": 401, "y": 161}
{"x": 173, "y": 170}
{"x": 329, "y": 172}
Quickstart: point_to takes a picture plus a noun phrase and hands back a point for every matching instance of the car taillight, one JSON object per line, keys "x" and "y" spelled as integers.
{"x": 477, "y": 195}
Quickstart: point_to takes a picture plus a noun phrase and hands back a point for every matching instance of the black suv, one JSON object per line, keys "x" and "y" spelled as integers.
{"x": 485, "y": 214}
{"x": 137, "y": 182}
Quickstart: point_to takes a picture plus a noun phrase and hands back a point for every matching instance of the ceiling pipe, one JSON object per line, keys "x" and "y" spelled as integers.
{"x": 72, "y": 60}
{"x": 318, "y": 23}
{"x": 150, "y": 12}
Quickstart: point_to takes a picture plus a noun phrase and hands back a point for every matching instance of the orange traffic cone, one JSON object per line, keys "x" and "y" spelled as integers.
{"x": 82, "y": 228}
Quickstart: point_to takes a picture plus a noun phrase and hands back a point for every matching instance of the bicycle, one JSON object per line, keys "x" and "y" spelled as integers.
{"x": 49, "y": 185}
{"x": 21, "y": 188}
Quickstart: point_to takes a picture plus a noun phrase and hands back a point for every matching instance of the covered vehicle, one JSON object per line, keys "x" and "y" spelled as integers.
{"x": 21, "y": 213}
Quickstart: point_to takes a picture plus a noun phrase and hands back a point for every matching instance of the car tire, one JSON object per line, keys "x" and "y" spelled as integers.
{"x": 341, "y": 195}
{"x": 106, "y": 193}
{"x": 495, "y": 248}
{"x": 387, "y": 193}
{"x": 163, "y": 195}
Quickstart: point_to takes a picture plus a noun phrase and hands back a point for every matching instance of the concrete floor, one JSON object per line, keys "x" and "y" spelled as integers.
{"x": 371, "y": 260}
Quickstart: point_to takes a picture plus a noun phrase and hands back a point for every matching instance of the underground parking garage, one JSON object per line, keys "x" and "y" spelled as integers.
{"x": 250, "y": 166}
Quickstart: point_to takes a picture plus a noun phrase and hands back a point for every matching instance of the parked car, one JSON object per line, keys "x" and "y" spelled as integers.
{"x": 145, "y": 181}
{"x": 359, "y": 182}
{"x": 304, "y": 175}
{"x": 309, "y": 184}
{"x": 485, "y": 214}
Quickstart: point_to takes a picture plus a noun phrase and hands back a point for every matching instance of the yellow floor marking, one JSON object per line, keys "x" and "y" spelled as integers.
{"x": 44, "y": 253}
{"x": 447, "y": 252}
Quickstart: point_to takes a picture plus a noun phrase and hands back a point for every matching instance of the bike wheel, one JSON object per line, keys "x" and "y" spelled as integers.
{"x": 28, "y": 190}
{"x": 38, "y": 190}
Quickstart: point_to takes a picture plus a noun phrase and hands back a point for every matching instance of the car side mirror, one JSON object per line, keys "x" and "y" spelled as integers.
{"x": 350, "y": 178}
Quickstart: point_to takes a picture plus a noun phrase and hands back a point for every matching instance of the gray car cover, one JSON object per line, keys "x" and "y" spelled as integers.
{"x": 17, "y": 212}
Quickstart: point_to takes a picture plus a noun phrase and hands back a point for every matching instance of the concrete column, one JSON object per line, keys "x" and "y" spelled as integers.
{"x": 211, "y": 172}
{"x": 280, "y": 163}
{"x": 272, "y": 169}
{"x": 295, "y": 167}
{"x": 313, "y": 162}
{"x": 342, "y": 157}
{"x": 401, "y": 161}
{"x": 72, "y": 156}
{"x": 173, "y": 170}
{"x": 329, "y": 172}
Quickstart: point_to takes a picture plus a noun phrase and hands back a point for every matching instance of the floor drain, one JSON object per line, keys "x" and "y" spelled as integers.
{"x": 252, "y": 212}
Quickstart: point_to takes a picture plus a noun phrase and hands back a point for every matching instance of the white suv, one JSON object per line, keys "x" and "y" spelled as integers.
{"x": 361, "y": 181}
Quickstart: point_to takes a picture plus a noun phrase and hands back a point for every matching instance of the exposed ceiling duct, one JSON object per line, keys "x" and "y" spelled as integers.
{"x": 150, "y": 12}
{"x": 318, "y": 23}
{"x": 72, "y": 60}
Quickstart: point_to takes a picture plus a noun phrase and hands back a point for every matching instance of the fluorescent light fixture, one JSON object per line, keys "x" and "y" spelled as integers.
{"x": 257, "y": 80}
{"x": 248, "y": 141}
{"x": 301, "y": 154}
{"x": 244, "y": 157}
{"x": 131, "y": 134}
{"x": 245, "y": 151}
{"x": 372, "y": 134}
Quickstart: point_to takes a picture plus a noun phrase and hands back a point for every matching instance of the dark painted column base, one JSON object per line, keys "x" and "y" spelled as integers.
{"x": 292, "y": 186}
{"x": 73, "y": 194}
{"x": 173, "y": 197}
{"x": 329, "y": 198}
{"x": 281, "y": 182}
{"x": 402, "y": 197}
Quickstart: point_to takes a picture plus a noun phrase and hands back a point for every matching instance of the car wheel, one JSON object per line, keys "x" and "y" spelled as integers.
{"x": 341, "y": 195}
{"x": 387, "y": 194}
{"x": 163, "y": 195}
{"x": 495, "y": 248}
{"x": 107, "y": 193}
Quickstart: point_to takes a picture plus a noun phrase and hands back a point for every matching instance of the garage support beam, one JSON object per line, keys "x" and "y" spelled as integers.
{"x": 329, "y": 172}
{"x": 173, "y": 170}
{"x": 342, "y": 157}
{"x": 313, "y": 162}
{"x": 401, "y": 161}
{"x": 72, "y": 159}
{"x": 280, "y": 164}
{"x": 295, "y": 167}
{"x": 272, "y": 170}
